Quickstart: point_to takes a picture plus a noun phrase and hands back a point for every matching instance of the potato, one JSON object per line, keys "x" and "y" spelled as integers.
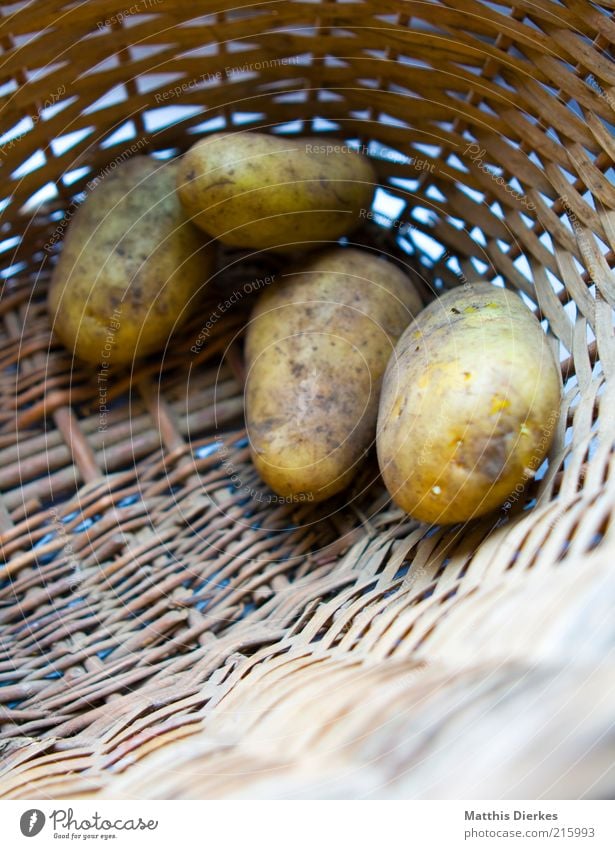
{"x": 470, "y": 402}
{"x": 316, "y": 349}
{"x": 253, "y": 190}
{"x": 129, "y": 267}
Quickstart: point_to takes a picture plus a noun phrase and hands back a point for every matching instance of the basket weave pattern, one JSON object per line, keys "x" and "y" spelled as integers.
{"x": 163, "y": 635}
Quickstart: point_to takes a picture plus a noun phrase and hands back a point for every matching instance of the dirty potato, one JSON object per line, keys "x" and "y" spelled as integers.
{"x": 254, "y": 190}
{"x": 317, "y": 346}
{"x": 470, "y": 402}
{"x": 129, "y": 267}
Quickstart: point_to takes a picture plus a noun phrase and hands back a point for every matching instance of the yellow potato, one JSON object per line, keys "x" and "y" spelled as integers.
{"x": 130, "y": 266}
{"x": 316, "y": 349}
{"x": 254, "y": 190}
{"x": 470, "y": 402}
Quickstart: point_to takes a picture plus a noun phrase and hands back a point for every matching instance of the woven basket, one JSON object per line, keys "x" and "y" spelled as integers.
{"x": 164, "y": 634}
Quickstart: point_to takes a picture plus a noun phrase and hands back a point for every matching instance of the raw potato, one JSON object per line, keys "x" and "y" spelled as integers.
{"x": 129, "y": 267}
{"x": 316, "y": 350}
{"x": 469, "y": 406}
{"x": 253, "y": 190}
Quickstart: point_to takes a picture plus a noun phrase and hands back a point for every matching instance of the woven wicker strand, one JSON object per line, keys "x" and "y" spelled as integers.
{"x": 165, "y": 635}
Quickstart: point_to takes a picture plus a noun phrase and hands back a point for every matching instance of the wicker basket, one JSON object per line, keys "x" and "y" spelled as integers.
{"x": 165, "y": 635}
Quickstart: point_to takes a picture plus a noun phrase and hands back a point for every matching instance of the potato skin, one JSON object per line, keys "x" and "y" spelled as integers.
{"x": 469, "y": 405}
{"x": 253, "y": 190}
{"x": 129, "y": 266}
{"x": 316, "y": 349}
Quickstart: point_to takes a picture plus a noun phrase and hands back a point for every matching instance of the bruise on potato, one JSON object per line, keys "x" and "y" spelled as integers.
{"x": 254, "y": 190}
{"x": 469, "y": 406}
{"x": 316, "y": 350}
{"x": 129, "y": 267}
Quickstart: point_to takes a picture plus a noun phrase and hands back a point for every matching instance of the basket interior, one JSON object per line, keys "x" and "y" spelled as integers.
{"x": 144, "y": 593}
